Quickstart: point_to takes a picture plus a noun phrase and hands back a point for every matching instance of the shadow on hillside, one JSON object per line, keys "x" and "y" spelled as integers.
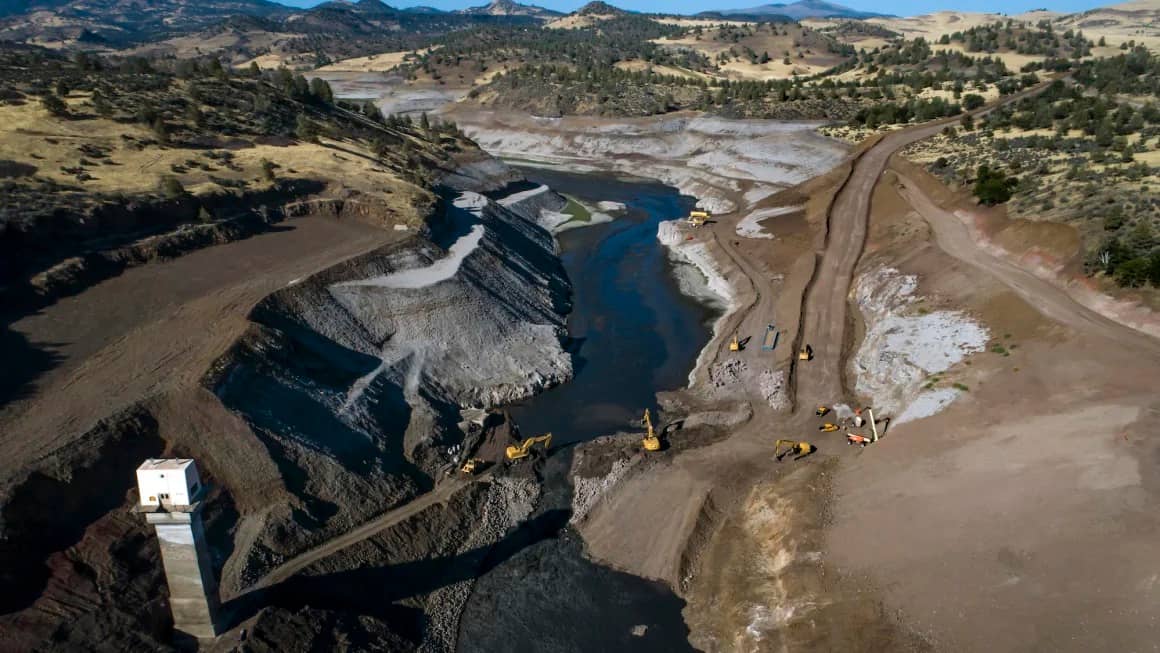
{"x": 372, "y": 591}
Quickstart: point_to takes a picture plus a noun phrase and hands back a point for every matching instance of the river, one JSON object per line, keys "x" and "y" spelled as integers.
{"x": 634, "y": 333}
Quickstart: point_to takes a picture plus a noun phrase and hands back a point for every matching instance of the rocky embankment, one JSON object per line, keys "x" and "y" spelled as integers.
{"x": 340, "y": 402}
{"x": 728, "y": 165}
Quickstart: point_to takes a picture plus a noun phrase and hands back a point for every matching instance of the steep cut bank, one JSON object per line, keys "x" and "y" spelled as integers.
{"x": 341, "y": 400}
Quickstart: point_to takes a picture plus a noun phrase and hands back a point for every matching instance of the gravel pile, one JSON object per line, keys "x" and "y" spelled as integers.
{"x": 772, "y": 386}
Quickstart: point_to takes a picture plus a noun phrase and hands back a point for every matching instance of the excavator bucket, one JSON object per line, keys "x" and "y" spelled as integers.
{"x": 651, "y": 441}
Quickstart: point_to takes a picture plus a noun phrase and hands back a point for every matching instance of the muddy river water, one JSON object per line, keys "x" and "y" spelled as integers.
{"x": 635, "y": 333}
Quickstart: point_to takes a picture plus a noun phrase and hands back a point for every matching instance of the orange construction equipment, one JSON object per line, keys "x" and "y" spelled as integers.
{"x": 855, "y": 438}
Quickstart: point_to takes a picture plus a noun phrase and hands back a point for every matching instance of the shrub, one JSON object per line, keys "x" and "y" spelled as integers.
{"x": 972, "y": 101}
{"x": 993, "y": 186}
{"x": 305, "y": 129}
{"x": 1133, "y": 273}
{"x": 171, "y": 187}
{"x": 54, "y": 105}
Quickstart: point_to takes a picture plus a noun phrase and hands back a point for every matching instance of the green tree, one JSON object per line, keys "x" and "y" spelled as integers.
{"x": 171, "y": 187}
{"x": 305, "y": 129}
{"x": 320, "y": 91}
{"x": 1133, "y": 273}
{"x": 993, "y": 186}
{"x": 972, "y": 101}
{"x": 268, "y": 168}
{"x": 101, "y": 105}
{"x": 54, "y": 105}
{"x": 160, "y": 130}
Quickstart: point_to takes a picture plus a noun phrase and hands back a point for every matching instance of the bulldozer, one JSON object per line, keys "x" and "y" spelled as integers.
{"x": 472, "y": 466}
{"x": 651, "y": 441}
{"x": 734, "y": 344}
{"x": 698, "y": 218}
{"x": 828, "y": 427}
{"x": 798, "y": 449}
{"x": 525, "y": 448}
{"x": 821, "y": 411}
{"x": 806, "y": 354}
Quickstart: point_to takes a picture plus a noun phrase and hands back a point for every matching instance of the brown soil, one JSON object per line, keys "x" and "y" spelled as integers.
{"x": 916, "y": 541}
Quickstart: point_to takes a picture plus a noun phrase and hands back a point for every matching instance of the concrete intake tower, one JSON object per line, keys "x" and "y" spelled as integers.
{"x": 171, "y": 500}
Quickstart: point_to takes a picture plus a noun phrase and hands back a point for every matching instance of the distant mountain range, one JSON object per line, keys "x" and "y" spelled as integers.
{"x": 510, "y": 8}
{"x": 118, "y": 23}
{"x": 794, "y": 11}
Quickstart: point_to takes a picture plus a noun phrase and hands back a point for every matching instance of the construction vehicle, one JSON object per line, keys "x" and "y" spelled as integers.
{"x": 806, "y": 354}
{"x": 525, "y": 448}
{"x": 828, "y": 427}
{"x": 798, "y": 449}
{"x": 651, "y": 441}
{"x": 821, "y": 411}
{"x": 472, "y": 466}
{"x": 769, "y": 340}
{"x": 698, "y": 218}
{"x": 734, "y": 344}
{"x": 855, "y": 438}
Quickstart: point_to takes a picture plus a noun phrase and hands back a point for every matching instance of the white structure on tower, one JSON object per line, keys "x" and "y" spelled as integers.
{"x": 171, "y": 499}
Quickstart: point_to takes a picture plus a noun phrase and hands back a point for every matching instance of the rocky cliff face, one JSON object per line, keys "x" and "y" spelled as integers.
{"x": 354, "y": 378}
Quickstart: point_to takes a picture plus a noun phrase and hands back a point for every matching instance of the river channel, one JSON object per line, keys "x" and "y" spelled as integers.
{"x": 634, "y": 333}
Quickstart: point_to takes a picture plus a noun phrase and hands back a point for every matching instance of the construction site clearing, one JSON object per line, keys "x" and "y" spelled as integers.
{"x": 1001, "y": 481}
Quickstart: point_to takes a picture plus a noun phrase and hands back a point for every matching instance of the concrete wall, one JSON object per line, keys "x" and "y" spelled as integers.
{"x": 193, "y": 590}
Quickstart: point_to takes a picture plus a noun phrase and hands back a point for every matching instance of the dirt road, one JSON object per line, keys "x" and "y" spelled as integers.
{"x": 824, "y": 318}
{"x": 1053, "y": 302}
{"x": 367, "y": 530}
{"x": 155, "y": 328}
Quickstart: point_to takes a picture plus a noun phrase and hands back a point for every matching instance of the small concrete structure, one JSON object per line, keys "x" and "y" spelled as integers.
{"x": 171, "y": 493}
{"x": 169, "y": 480}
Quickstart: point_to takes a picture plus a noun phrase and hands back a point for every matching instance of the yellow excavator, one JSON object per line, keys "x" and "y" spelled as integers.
{"x": 806, "y": 354}
{"x": 525, "y": 448}
{"x": 828, "y": 427}
{"x": 821, "y": 411}
{"x": 734, "y": 344}
{"x": 651, "y": 441}
{"x": 798, "y": 449}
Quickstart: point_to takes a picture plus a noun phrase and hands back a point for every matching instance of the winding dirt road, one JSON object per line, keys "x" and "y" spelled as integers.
{"x": 825, "y": 314}
{"x": 1052, "y": 301}
{"x": 369, "y": 529}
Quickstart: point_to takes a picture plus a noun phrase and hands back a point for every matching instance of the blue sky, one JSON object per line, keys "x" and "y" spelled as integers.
{"x": 898, "y": 7}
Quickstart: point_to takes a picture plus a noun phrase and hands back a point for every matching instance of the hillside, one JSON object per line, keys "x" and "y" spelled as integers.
{"x": 98, "y": 156}
{"x": 510, "y": 8}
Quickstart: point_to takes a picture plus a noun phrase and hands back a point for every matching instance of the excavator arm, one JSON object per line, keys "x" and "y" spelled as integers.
{"x": 525, "y": 448}
{"x": 650, "y": 442}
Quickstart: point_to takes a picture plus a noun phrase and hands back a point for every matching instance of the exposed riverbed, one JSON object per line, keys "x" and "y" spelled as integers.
{"x": 635, "y": 333}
